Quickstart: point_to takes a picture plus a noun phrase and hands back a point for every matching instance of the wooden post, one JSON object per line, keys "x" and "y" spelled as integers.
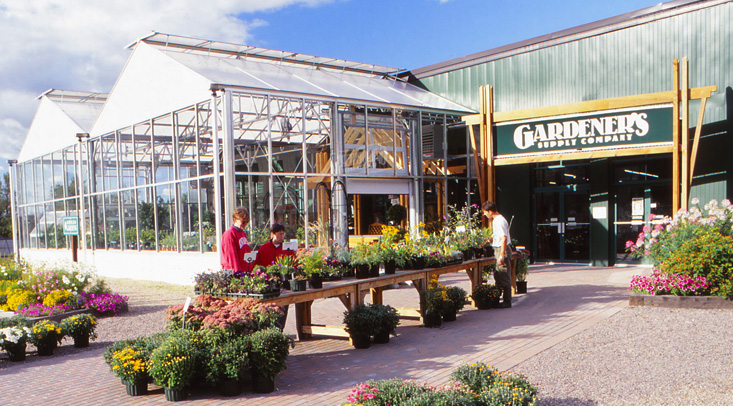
{"x": 676, "y": 136}
{"x": 685, "y": 179}
{"x": 696, "y": 141}
{"x": 490, "y": 149}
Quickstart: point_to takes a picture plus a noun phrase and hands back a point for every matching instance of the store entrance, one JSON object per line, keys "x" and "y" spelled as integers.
{"x": 562, "y": 219}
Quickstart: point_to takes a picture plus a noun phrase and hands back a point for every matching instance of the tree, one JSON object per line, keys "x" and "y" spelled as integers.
{"x": 6, "y": 221}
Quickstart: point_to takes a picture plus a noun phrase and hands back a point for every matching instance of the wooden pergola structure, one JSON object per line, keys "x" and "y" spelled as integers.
{"x": 683, "y": 159}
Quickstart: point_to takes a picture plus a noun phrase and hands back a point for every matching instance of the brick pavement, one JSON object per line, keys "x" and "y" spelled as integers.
{"x": 562, "y": 301}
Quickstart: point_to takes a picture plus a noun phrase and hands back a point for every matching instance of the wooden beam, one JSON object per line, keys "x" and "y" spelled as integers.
{"x": 568, "y": 156}
{"x": 324, "y": 330}
{"x": 490, "y": 149}
{"x": 477, "y": 160}
{"x": 696, "y": 141}
{"x": 676, "y": 136}
{"x": 685, "y": 130}
{"x": 596, "y": 105}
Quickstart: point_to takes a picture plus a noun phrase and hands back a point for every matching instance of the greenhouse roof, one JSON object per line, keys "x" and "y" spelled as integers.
{"x": 60, "y": 116}
{"x": 253, "y": 68}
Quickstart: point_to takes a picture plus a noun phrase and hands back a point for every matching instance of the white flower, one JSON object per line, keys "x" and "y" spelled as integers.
{"x": 65, "y": 280}
{"x": 695, "y": 200}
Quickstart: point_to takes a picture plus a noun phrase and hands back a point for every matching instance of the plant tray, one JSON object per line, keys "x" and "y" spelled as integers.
{"x": 267, "y": 295}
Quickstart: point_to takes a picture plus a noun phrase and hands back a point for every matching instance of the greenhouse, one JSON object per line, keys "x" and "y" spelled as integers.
{"x": 196, "y": 128}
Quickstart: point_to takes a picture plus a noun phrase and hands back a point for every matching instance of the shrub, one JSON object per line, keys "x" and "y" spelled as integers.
{"x": 269, "y": 350}
{"x": 226, "y": 357}
{"x": 361, "y": 321}
{"x": 708, "y": 255}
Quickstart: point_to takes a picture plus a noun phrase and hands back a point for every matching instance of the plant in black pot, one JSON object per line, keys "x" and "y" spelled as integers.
{"x": 522, "y": 270}
{"x": 361, "y": 323}
{"x": 361, "y": 258}
{"x": 226, "y": 361}
{"x": 456, "y": 300}
{"x": 268, "y": 353}
{"x": 486, "y": 296}
{"x": 434, "y": 303}
{"x": 387, "y": 321}
{"x": 313, "y": 263}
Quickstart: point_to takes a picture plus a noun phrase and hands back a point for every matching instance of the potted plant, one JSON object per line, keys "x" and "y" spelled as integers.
{"x": 456, "y": 300}
{"x": 522, "y": 270}
{"x": 387, "y": 321}
{"x": 13, "y": 340}
{"x": 434, "y": 303}
{"x": 172, "y": 365}
{"x": 486, "y": 296}
{"x": 46, "y": 335}
{"x": 259, "y": 284}
{"x": 227, "y": 361}
{"x": 361, "y": 323}
{"x": 298, "y": 281}
{"x": 130, "y": 364}
{"x": 81, "y": 328}
{"x": 361, "y": 260}
{"x": 313, "y": 264}
{"x": 268, "y": 353}
{"x": 286, "y": 265}
{"x": 389, "y": 256}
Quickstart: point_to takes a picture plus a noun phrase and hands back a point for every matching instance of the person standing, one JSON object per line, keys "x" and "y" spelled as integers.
{"x": 273, "y": 249}
{"x": 234, "y": 243}
{"x": 500, "y": 240}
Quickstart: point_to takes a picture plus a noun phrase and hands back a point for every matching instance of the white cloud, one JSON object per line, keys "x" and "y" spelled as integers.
{"x": 78, "y": 45}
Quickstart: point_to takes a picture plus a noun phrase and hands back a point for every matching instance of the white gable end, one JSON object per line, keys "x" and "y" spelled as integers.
{"x": 151, "y": 84}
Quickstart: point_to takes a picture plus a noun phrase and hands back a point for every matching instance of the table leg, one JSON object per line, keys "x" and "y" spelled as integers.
{"x": 303, "y": 317}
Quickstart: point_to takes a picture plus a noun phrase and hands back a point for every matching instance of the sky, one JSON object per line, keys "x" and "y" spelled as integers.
{"x": 80, "y": 44}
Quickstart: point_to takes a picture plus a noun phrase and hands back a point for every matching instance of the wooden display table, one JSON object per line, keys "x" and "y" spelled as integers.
{"x": 352, "y": 293}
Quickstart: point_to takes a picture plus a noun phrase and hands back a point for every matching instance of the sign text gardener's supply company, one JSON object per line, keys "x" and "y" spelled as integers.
{"x": 576, "y": 133}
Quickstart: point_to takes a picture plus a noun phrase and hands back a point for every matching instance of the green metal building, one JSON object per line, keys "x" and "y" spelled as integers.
{"x": 586, "y": 209}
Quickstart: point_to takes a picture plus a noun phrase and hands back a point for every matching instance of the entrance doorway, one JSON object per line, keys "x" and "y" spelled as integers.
{"x": 562, "y": 224}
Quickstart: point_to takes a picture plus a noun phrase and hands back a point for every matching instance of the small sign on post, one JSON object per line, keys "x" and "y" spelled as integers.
{"x": 71, "y": 228}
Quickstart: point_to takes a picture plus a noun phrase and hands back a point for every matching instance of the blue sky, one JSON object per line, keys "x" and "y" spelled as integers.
{"x": 79, "y": 44}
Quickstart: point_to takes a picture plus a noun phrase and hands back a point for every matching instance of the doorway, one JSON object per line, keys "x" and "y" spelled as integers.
{"x": 562, "y": 218}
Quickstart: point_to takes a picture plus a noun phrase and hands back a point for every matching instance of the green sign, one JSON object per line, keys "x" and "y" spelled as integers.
{"x": 71, "y": 225}
{"x": 607, "y": 129}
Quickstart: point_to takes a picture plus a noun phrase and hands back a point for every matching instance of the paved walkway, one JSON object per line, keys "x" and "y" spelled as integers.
{"x": 562, "y": 301}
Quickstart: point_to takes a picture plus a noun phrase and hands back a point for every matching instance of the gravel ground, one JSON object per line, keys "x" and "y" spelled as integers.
{"x": 641, "y": 356}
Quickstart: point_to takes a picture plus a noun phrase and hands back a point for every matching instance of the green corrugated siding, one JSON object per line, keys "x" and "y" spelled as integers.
{"x": 630, "y": 61}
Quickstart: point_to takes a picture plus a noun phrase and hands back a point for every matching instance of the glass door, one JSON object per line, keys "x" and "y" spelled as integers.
{"x": 562, "y": 224}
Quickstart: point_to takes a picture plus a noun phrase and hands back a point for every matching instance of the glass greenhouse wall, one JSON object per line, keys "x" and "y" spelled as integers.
{"x": 170, "y": 183}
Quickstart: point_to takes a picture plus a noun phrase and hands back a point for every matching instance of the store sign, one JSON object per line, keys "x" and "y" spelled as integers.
{"x": 617, "y": 128}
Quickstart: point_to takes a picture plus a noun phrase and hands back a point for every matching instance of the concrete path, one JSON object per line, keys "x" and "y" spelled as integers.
{"x": 562, "y": 301}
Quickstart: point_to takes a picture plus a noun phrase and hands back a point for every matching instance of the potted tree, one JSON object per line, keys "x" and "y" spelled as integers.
{"x": 268, "y": 351}
{"x": 361, "y": 324}
{"x": 81, "y": 328}
{"x": 387, "y": 320}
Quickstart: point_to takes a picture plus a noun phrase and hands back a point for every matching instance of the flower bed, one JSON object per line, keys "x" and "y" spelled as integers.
{"x": 54, "y": 292}
{"x": 692, "y": 253}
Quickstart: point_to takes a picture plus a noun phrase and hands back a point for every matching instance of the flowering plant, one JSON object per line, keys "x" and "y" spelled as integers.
{"x": 257, "y": 281}
{"x": 129, "y": 364}
{"x": 80, "y": 325}
{"x": 46, "y": 333}
{"x": 664, "y": 283}
{"x": 456, "y": 298}
{"x": 172, "y": 365}
{"x": 311, "y": 261}
{"x": 435, "y": 298}
{"x": 106, "y": 304}
{"x": 226, "y": 357}
{"x": 39, "y": 310}
{"x": 14, "y": 336}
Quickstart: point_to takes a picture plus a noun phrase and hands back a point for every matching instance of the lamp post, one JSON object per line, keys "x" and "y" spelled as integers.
{"x": 80, "y": 192}
{"x": 13, "y": 221}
